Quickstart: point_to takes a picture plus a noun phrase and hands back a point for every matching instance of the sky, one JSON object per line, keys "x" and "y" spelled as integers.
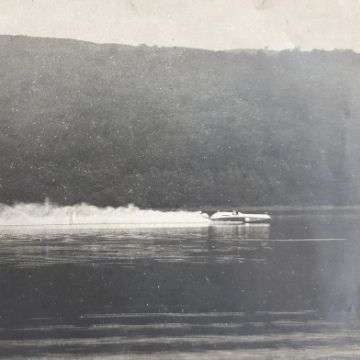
{"x": 209, "y": 24}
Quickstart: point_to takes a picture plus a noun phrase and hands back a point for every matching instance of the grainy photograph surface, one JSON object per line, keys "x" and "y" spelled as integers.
{"x": 179, "y": 179}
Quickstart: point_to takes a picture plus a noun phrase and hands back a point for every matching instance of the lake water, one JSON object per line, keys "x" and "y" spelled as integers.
{"x": 288, "y": 290}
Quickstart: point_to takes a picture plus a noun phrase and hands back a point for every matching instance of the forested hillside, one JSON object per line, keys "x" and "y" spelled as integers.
{"x": 173, "y": 127}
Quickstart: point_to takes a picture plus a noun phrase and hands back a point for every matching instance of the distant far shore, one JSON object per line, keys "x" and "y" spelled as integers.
{"x": 274, "y": 209}
{"x": 280, "y": 208}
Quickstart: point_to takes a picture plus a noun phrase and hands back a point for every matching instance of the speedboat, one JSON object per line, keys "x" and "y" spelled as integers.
{"x": 239, "y": 217}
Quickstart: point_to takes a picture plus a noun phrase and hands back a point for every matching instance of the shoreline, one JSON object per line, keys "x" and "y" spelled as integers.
{"x": 274, "y": 208}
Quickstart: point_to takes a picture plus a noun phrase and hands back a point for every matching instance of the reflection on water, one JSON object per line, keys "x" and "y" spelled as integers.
{"x": 226, "y": 291}
{"x": 126, "y": 246}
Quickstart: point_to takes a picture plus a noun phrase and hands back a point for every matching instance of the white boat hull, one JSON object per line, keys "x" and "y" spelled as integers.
{"x": 236, "y": 216}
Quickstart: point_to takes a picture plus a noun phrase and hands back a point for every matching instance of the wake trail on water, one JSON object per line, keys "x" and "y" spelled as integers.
{"x": 84, "y": 214}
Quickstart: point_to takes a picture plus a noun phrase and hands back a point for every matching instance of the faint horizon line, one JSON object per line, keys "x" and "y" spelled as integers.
{"x": 239, "y": 49}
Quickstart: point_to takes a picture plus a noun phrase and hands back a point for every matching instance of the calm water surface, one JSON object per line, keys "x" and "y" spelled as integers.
{"x": 289, "y": 290}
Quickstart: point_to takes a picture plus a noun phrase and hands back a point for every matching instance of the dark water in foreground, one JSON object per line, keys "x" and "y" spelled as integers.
{"x": 289, "y": 290}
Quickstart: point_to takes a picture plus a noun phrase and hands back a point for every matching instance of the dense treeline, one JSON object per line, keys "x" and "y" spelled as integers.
{"x": 172, "y": 127}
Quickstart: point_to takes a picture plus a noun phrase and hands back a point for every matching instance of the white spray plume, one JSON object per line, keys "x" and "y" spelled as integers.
{"x": 81, "y": 214}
